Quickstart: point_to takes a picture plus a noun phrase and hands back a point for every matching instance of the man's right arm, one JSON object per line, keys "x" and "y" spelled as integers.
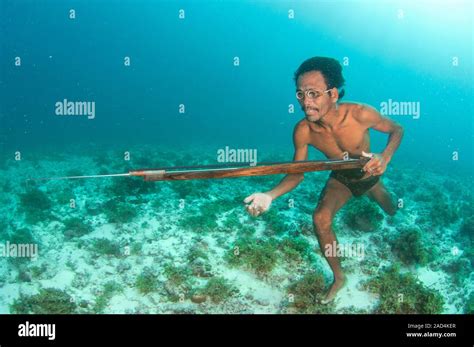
{"x": 291, "y": 181}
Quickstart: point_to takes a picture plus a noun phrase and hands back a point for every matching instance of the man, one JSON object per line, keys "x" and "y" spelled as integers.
{"x": 340, "y": 131}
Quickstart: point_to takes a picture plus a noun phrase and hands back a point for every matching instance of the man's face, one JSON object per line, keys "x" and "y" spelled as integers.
{"x": 314, "y": 109}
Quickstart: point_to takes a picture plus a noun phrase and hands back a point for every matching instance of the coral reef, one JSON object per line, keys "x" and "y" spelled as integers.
{"x": 443, "y": 212}
{"x": 105, "y": 246}
{"x": 206, "y": 219}
{"x": 305, "y": 295}
{"x": 362, "y": 215}
{"x": 409, "y": 246}
{"x": 274, "y": 222}
{"x": 22, "y": 236}
{"x": 467, "y": 228}
{"x": 146, "y": 281}
{"x": 458, "y": 268}
{"x": 218, "y": 289}
{"x": 103, "y": 297}
{"x": 295, "y": 249}
{"x": 184, "y": 254}
{"x": 36, "y": 206}
{"x": 76, "y": 227}
{"x": 47, "y": 301}
{"x": 254, "y": 254}
{"x": 199, "y": 261}
{"x": 469, "y": 307}
{"x": 403, "y": 293}
{"x": 125, "y": 187}
{"x": 180, "y": 282}
{"x": 119, "y": 212}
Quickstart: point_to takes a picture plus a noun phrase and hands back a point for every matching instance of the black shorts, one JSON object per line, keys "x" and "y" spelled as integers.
{"x": 351, "y": 178}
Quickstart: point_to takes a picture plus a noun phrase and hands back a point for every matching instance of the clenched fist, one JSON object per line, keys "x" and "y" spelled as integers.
{"x": 258, "y": 203}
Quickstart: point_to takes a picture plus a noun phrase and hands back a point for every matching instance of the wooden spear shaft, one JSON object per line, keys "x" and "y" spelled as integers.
{"x": 213, "y": 171}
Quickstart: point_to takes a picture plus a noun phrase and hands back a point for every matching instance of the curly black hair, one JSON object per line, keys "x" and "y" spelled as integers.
{"x": 329, "y": 68}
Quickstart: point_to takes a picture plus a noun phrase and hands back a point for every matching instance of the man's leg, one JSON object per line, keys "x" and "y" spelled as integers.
{"x": 333, "y": 197}
{"x": 379, "y": 194}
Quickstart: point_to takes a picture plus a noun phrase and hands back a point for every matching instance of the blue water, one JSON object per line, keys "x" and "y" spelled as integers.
{"x": 190, "y": 61}
{"x": 405, "y": 51}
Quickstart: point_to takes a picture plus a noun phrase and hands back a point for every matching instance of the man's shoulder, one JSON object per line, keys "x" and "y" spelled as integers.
{"x": 355, "y": 109}
{"x": 355, "y": 105}
{"x": 301, "y": 131}
{"x": 351, "y": 106}
{"x": 301, "y": 126}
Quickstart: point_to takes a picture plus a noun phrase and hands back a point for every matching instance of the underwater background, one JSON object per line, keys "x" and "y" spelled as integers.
{"x": 174, "y": 82}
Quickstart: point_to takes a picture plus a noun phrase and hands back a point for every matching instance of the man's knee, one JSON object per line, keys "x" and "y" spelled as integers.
{"x": 389, "y": 206}
{"x": 383, "y": 198}
{"x": 322, "y": 220}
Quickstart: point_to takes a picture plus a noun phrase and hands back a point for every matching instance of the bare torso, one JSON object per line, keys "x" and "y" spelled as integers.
{"x": 348, "y": 136}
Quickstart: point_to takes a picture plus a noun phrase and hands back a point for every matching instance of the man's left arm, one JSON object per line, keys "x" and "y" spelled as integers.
{"x": 370, "y": 117}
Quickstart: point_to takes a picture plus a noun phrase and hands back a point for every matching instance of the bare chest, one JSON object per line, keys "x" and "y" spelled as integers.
{"x": 350, "y": 138}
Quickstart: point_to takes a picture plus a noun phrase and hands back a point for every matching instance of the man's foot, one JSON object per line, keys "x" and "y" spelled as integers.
{"x": 337, "y": 285}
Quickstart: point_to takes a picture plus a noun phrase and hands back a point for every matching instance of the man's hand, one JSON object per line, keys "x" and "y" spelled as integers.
{"x": 376, "y": 166}
{"x": 260, "y": 202}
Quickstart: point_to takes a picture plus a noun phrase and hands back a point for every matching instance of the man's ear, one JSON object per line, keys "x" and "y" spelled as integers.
{"x": 334, "y": 92}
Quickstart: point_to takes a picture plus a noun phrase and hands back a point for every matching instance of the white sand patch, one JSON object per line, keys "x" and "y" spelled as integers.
{"x": 350, "y": 295}
{"x": 173, "y": 246}
{"x": 439, "y": 281}
{"x": 62, "y": 280}
{"x": 104, "y": 231}
{"x": 432, "y": 279}
{"x": 152, "y": 219}
{"x": 215, "y": 253}
{"x": 267, "y": 298}
{"x": 126, "y": 302}
{"x": 8, "y": 293}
